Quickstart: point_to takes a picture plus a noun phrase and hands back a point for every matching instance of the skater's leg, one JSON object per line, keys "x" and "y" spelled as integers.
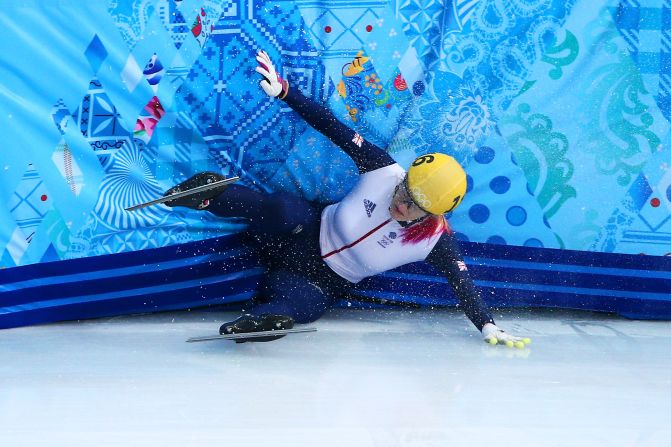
{"x": 287, "y": 293}
{"x": 286, "y": 297}
{"x": 276, "y": 213}
{"x": 269, "y": 214}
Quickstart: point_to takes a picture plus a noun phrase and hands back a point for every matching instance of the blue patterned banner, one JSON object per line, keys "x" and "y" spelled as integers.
{"x": 560, "y": 111}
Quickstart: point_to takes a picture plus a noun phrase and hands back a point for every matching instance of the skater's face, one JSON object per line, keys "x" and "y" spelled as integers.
{"x": 402, "y": 208}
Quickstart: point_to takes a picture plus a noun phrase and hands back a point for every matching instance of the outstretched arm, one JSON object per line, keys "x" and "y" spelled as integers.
{"x": 446, "y": 258}
{"x": 366, "y": 155}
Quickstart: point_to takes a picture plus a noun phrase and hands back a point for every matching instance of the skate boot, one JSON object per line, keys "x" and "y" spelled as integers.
{"x": 257, "y": 323}
{"x": 197, "y": 201}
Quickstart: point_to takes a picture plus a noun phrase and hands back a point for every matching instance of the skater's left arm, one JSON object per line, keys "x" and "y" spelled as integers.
{"x": 446, "y": 258}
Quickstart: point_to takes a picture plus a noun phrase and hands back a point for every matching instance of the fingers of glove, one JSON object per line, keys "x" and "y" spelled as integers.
{"x": 265, "y": 85}
{"x": 263, "y": 58}
{"x": 263, "y": 72}
{"x": 271, "y": 90}
{"x": 262, "y": 54}
{"x": 516, "y": 342}
{"x": 510, "y": 341}
{"x": 266, "y": 65}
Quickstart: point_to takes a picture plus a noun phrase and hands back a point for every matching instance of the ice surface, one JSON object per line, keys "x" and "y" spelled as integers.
{"x": 366, "y": 378}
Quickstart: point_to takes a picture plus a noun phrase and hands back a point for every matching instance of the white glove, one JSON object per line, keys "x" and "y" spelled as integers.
{"x": 272, "y": 84}
{"x": 494, "y": 335}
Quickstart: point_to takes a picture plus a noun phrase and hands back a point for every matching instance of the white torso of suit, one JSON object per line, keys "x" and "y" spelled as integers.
{"x": 358, "y": 238}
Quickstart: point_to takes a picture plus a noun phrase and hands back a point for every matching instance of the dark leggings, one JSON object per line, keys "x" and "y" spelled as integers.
{"x": 286, "y": 228}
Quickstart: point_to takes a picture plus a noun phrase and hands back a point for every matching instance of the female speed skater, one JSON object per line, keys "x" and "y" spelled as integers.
{"x": 314, "y": 254}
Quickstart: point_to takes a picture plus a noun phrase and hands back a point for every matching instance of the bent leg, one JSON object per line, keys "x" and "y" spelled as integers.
{"x": 276, "y": 213}
{"x": 287, "y": 293}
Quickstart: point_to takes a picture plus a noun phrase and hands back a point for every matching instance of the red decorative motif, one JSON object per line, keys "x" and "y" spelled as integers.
{"x": 399, "y": 83}
{"x": 197, "y": 27}
{"x": 144, "y": 126}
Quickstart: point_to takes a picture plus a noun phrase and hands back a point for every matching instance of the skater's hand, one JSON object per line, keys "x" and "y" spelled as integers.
{"x": 272, "y": 84}
{"x": 494, "y": 335}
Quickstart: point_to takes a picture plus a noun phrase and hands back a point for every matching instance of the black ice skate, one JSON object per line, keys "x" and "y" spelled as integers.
{"x": 204, "y": 187}
{"x": 197, "y": 201}
{"x": 261, "y": 323}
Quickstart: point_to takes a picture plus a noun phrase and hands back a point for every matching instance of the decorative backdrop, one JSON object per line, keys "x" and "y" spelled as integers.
{"x": 558, "y": 109}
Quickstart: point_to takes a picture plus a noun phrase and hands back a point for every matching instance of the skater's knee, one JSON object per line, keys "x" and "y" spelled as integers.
{"x": 293, "y": 294}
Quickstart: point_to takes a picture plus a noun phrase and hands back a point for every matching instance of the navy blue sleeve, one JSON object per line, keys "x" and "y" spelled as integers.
{"x": 366, "y": 155}
{"x": 447, "y": 258}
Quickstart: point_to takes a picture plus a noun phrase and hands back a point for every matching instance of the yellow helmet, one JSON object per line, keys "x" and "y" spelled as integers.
{"x": 436, "y": 182}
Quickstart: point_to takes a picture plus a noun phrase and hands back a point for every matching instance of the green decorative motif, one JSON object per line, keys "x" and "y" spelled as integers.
{"x": 561, "y": 55}
{"x": 400, "y": 145}
{"x": 616, "y": 122}
{"x": 541, "y": 153}
{"x": 527, "y": 85}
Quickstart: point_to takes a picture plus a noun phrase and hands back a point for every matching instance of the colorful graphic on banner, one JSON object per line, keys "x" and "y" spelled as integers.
{"x": 559, "y": 111}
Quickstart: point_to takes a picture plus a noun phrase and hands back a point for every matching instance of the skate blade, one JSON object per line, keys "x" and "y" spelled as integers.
{"x": 186, "y": 193}
{"x": 251, "y": 334}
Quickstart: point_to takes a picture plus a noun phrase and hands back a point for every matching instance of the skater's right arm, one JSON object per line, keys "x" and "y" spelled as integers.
{"x": 366, "y": 155}
{"x": 447, "y": 259}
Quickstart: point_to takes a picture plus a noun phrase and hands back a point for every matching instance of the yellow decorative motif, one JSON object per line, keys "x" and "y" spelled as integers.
{"x": 352, "y": 112}
{"x": 341, "y": 89}
{"x": 356, "y": 66}
{"x": 373, "y": 81}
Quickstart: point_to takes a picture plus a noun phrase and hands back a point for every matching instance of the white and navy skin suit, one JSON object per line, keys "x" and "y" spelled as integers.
{"x": 315, "y": 254}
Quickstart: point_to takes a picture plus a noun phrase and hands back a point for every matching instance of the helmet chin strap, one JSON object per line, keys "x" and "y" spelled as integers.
{"x": 408, "y": 223}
